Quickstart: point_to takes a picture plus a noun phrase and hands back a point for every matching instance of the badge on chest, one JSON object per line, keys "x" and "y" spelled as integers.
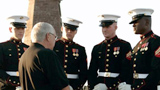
{"x": 75, "y": 52}
{"x": 144, "y": 47}
{"x": 116, "y": 51}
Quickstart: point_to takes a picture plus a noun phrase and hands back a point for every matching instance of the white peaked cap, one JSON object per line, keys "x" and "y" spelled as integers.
{"x": 18, "y": 18}
{"x": 145, "y": 11}
{"x": 105, "y": 17}
{"x": 71, "y": 21}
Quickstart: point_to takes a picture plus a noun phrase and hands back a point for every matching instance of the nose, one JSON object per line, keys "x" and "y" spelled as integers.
{"x": 134, "y": 25}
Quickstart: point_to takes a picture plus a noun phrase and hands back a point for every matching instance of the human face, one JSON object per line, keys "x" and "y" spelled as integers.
{"x": 17, "y": 32}
{"x": 68, "y": 34}
{"x": 139, "y": 26}
{"x": 109, "y": 32}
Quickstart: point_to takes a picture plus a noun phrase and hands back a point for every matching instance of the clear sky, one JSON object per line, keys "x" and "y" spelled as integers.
{"x": 89, "y": 33}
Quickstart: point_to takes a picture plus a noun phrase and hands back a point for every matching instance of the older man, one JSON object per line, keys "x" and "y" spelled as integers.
{"x": 39, "y": 67}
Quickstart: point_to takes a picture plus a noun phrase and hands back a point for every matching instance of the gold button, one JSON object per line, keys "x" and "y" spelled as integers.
{"x": 99, "y": 57}
{"x": 134, "y": 65}
{"x": 107, "y": 60}
{"x": 118, "y": 82}
{"x": 114, "y": 85}
{"x": 18, "y": 83}
{"x": 106, "y": 70}
{"x": 65, "y": 66}
{"x": 10, "y": 54}
{"x": 109, "y": 45}
{"x": 136, "y": 53}
{"x": 142, "y": 52}
{"x": 140, "y": 42}
{"x": 134, "y": 59}
{"x": 141, "y": 82}
{"x": 110, "y": 87}
{"x": 65, "y": 71}
{"x": 66, "y": 50}
{"x": 111, "y": 40}
{"x": 19, "y": 53}
{"x": 138, "y": 48}
{"x": 107, "y": 55}
{"x": 18, "y": 49}
{"x": 133, "y": 88}
{"x": 107, "y": 65}
{"x": 65, "y": 60}
{"x": 66, "y": 45}
{"x": 134, "y": 71}
{"x": 9, "y": 79}
{"x": 108, "y": 50}
{"x": 66, "y": 55}
{"x": 14, "y": 81}
{"x": 17, "y": 45}
{"x": 137, "y": 86}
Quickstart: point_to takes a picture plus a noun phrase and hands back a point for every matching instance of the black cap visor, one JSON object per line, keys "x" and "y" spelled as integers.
{"x": 71, "y": 27}
{"x": 107, "y": 23}
{"x": 19, "y": 25}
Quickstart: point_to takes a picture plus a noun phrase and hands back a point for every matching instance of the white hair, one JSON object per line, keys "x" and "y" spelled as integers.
{"x": 40, "y": 30}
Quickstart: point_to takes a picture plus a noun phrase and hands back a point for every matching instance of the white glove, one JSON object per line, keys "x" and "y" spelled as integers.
{"x": 70, "y": 87}
{"x": 158, "y": 87}
{"x": 100, "y": 86}
{"x": 124, "y": 86}
{"x": 19, "y": 88}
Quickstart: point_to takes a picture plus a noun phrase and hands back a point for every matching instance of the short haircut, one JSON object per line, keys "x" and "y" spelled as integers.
{"x": 40, "y": 30}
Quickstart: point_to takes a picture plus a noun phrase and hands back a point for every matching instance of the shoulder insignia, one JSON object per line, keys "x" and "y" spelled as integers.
{"x": 157, "y": 52}
{"x": 128, "y": 55}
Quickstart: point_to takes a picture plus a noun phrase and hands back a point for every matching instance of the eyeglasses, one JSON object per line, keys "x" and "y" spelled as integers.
{"x": 54, "y": 35}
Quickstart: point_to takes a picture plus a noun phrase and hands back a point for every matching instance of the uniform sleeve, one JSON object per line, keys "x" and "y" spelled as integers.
{"x": 92, "y": 73}
{"x": 154, "y": 76}
{"x": 54, "y": 71}
{"x": 126, "y": 63}
{"x": 83, "y": 70}
{"x": 3, "y": 75}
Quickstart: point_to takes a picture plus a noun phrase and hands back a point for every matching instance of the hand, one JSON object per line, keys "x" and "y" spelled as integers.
{"x": 100, "y": 86}
{"x": 124, "y": 86}
{"x": 1, "y": 84}
{"x": 19, "y": 88}
{"x": 70, "y": 87}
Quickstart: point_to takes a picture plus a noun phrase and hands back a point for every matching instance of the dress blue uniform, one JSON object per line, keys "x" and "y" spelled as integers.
{"x": 10, "y": 54}
{"x": 145, "y": 56}
{"x": 72, "y": 57}
{"x": 110, "y": 60}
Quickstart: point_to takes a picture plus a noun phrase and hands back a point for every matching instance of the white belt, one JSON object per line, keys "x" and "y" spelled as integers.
{"x": 13, "y": 73}
{"x": 108, "y": 74}
{"x": 158, "y": 87}
{"x": 139, "y": 76}
{"x": 72, "y": 76}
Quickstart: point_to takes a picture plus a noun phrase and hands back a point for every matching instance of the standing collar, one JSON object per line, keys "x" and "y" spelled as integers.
{"x": 111, "y": 40}
{"x": 16, "y": 41}
{"x": 67, "y": 41}
{"x": 146, "y": 35}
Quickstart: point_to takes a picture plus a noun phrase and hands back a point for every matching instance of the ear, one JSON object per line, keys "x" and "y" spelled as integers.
{"x": 10, "y": 29}
{"x": 47, "y": 37}
{"x": 61, "y": 29}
